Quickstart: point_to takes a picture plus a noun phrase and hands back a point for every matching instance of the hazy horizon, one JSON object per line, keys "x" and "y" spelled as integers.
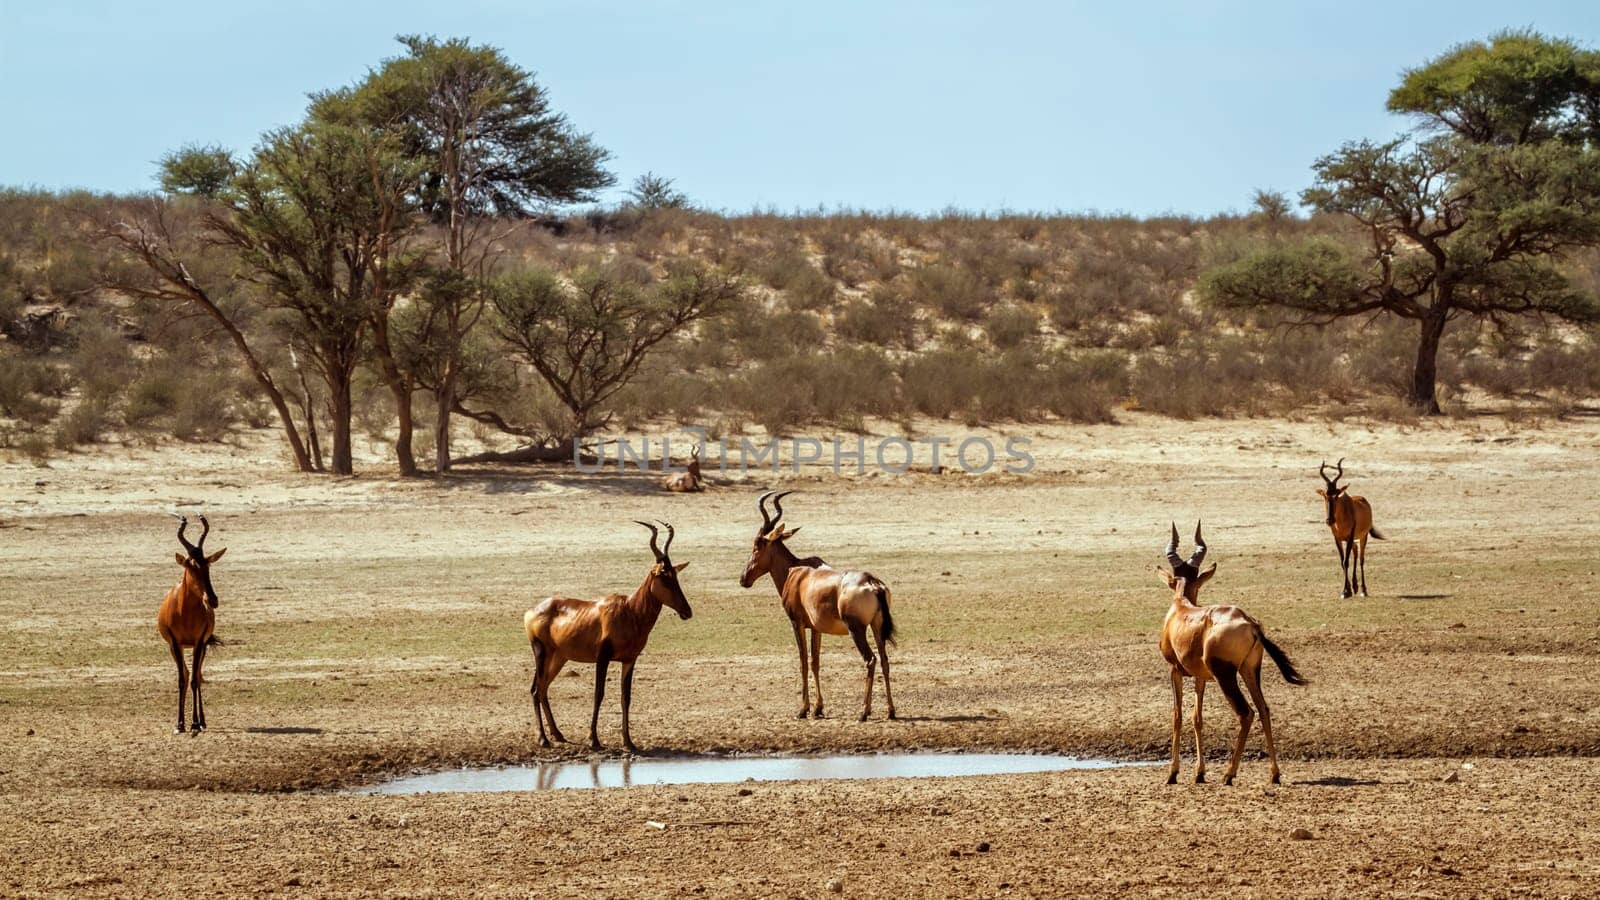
{"x": 906, "y": 108}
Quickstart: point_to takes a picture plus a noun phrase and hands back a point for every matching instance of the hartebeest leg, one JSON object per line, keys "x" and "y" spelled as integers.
{"x": 183, "y": 682}
{"x": 1228, "y": 680}
{"x": 539, "y": 654}
{"x": 627, "y": 700}
{"x": 805, "y": 690}
{"x": 1363, "y": 557}
{"x": 552, "y": 668}
{"x": 1350, "y": 568}
{"x": 1252, "y": 682}
{"x": 600, "y": 664}
{"x": 1199, "y": 731}
{"x": 816, "y": 670}
{"x": 858, "y": 633}
{"x": 888, "y": 693}
{"x": 1344, "y": 572}
{"x": 197, "y": 722}
{"x": 1177, "y": 723}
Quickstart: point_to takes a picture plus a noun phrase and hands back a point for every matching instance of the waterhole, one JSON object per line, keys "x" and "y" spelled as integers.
{"x": 610, "y": 773}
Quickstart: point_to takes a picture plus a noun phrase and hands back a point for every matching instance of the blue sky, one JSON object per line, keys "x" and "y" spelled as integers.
{"x": 1116, "y": 107}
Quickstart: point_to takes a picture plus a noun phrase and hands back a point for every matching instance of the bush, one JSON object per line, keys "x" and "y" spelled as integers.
{"x": 1008, "y": 325}
{"x": 956, "y": 293}
{"x": 29, "y": 388}
{"x": 886, "y": 318}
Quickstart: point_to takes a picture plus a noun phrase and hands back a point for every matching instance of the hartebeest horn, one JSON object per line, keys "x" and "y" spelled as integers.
{"x": 666, "y": 552}
{"x": 1340, "y": 473}
{"x": 205, "y": 529}
{"x": 766, "y": 518}
{"x": 183, "y": 526}
{"x": 1199, "y": 547}
{"x": 777, "y": 505}
{"x": 1172, "y": 549}
{"x": 654, "y": 533}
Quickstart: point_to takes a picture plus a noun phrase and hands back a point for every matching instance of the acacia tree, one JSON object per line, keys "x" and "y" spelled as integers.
{"x": 158, "y": 237}
{"x": 1478, "y": 218}
{"x": 587, "y": 337}
{"x": 318, "y": 218}
{"x": 490, "y": 147}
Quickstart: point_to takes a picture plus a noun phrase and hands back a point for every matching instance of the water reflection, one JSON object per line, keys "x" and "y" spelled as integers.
{"x": 627, "y": 772}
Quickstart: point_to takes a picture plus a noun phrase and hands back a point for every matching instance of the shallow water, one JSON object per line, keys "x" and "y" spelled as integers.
{"x": 607, "y": 773}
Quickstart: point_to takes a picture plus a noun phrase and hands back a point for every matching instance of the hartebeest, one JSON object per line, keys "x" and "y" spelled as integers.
{"x": 615, "y": 629}
{"x": 686, "y": 482}
{"x": 1214, "y": 642}
{"x": 187, "y": 619}
{"x": 1350, "y": 520}
{"x": 823, "y": 600}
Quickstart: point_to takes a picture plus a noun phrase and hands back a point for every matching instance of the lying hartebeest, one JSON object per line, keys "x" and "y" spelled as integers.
{"x": 186, "y": 618}
{"x": 1350, "y": 520}
{"x": 601, "y": 632}
{"x": 1214, "y": 642}
{"x": 686, "y": 482}
{"x": 824, "y": 600}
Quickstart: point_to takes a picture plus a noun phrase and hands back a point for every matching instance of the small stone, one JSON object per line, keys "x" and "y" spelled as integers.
{"x": 30, "y": 732}
{"x": 1452, "y": 778}
{"x": 1300, "y": 834}
{"x": 745, "y": 792}
{"x": 835, "y": 886}
{"x": 983, "y": 846}
{"x": 955, "y": 853}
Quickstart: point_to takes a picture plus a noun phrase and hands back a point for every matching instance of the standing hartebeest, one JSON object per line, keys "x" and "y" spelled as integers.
{"x": 686, "y": 482}
{"x": 601, "y": 632}
{"x": 825, "y": 600}
{"x": 186, "y": 618}
{"x": 1350, "y": 520}
{"x": 1214, "y": 642}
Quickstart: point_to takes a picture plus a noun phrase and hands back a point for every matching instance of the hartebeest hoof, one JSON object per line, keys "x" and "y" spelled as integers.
{"x": 1227, "y": 780}
{"x": 1275, "y": 778}
{"x": 179, "y": 730}
{"x": 891, "y": 712}
{"x": 1172, "y": 777}
{"x": 594, "y": 744}
{"x": 864, "y": 715}
{"x": 1199, "y": 778}
{"x": 816, "y": 713}
{"x": 545, "y": 743}
{"x": 630, "y": 747}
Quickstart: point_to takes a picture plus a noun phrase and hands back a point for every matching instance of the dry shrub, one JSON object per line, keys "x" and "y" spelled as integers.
{"x": 1009, "y": 325}
{"x": 957, "y": 293}
{"x": 886, "y": 317}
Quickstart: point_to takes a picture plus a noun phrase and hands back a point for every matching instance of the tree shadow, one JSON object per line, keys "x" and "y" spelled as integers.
{"x": 971, "y": 718}
{"x": 1423, "y": 596}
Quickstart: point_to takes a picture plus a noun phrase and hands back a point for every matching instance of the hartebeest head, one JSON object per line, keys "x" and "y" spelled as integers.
{"x": 197, "y": 562}
{"x": 1187, "y": 571}
{"x": 663, "y": 584}
{"x": 1333, "y": 490}
{"x": 771, "y": 533}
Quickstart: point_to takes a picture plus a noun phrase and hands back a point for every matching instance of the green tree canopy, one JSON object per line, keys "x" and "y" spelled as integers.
{"x": 1478, "y": 219}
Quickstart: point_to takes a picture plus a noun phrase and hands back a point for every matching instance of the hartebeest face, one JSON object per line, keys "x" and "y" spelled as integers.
{"x": 664, "y": 588}
{"x": 1331, "y": 491}
{"x": 196, "y": 562}
{"x": 762, "y": 553}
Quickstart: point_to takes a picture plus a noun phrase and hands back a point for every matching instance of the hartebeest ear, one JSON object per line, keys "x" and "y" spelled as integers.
{"x": 680, "y": 566}
{"x": 1206, "y": 575}
{"x": 217, "y": 555}
{"x": 182, "y": 561}
{"x": 1172, "y": 583}
{"x": 1321, "y": 492}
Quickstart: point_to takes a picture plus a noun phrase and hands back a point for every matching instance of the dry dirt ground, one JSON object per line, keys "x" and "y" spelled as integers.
{"x": 374, "y": 628}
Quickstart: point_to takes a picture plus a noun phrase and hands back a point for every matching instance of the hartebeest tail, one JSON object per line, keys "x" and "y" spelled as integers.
{"x": 1215, "y": 643}
{"x": 1281, "y": 659}
{"x": 1350, "y": 520}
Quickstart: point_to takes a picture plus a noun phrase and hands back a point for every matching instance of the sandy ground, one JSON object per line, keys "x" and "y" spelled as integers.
{"x": 374, "y": 628}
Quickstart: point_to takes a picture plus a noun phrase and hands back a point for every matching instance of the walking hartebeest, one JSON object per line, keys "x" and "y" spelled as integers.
{"x": 824, "y": 600}
{"x": 1350, "y": 520}
{"x": 686, "y": 482}
{"x": 1214, "y": 642}
{"x": 601, "y": 632}
{"x": 186, "y": 618}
